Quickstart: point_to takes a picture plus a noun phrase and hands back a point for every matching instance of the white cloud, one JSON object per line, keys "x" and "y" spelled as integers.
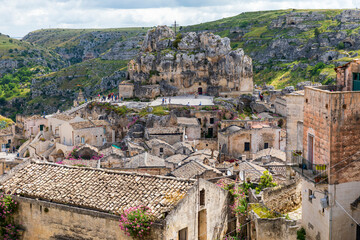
{"x": 18, "y": 17}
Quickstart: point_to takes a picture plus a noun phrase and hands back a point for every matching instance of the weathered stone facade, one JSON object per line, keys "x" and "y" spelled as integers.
{"x": 294, "y": 122}
{"x": 193, "y": 63}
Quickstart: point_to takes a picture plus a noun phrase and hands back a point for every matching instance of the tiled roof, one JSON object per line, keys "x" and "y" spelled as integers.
{"x": 188, "y": 121}
{"x": 270, "y": 152}
{"x": 144, "y": 160}
{"x": 192, "y": 169}
{"x": 89, "y": 124}
{"x": 63, "y": 117}
{"x": 155, "y": 142}
{"x": 98, "y": 189}
{"x": 252, "y": 171}
{"x": 33, "y": 117}
{"x": 164, "y": 130}
{"x": 177, "y": 158}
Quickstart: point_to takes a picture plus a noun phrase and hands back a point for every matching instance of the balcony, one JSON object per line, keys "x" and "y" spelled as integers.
{"x": 316, "y": 173}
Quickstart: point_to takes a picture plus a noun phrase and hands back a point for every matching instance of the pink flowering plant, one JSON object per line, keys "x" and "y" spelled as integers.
{"x": 8, "y": 229}
{"x": 136, "y": 221}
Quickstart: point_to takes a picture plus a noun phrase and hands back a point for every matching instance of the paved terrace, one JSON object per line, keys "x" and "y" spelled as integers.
{"x": 185, "y": 100}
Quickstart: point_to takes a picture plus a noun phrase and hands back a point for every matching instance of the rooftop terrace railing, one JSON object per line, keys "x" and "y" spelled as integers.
{"x": 314, "y": 172}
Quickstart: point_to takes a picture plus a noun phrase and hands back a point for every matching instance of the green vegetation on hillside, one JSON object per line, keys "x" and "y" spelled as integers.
{"x": 255, "y": 32}
{"x": 84, "y": 74}
{"x": 17, "y": 84}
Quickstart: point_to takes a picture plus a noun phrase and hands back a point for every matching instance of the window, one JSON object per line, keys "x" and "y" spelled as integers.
{"x": 247, "y": 146}
{"x": 211, "y": 120}
{"x": 266, "y": 145}
{"x": 82, "y": 140}
{"x": 310, "y": 195}
{"x": 161, "y": 151}
{"x": 183, "y": 234}
{"x": 202, "y": 197}
{"x": 210, "y": 133}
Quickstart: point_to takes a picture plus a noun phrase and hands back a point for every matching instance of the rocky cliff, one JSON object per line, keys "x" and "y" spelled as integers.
{"x": 290, "y": 46}
{"x": 191, "y": 62}
{"x": 77, "y": 45}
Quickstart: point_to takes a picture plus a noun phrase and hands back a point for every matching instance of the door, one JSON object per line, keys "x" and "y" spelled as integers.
{"x": 202, "y": 225}
{"x": 200, "y": 91}
{"x": 357, "y": 232}
{"x": 310, "y": 150}
{"x": 356, "y": 81}
{"x": 41, "y": 127}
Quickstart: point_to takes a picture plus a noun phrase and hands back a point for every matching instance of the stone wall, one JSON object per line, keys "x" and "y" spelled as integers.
{"x": 126, "y": 90}
{"x": 317, "y": 122}
{"x": 186, "y": 214}
{"x": 294, "y": 113}
{"x": 280, "y": 106}
{"x": 50, "y": 221}
{"x": 271, "y": 228}
{"x": 206, "y": 144}
{"x": 333, "y": 119}
{"x": 283, "y": 199}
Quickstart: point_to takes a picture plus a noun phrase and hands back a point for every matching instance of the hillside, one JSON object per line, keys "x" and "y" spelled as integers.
{"x": 289, "y": 46}
{"x": 77, "y": 45}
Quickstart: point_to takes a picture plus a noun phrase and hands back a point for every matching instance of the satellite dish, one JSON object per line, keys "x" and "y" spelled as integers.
{"x": 242, "y": 175}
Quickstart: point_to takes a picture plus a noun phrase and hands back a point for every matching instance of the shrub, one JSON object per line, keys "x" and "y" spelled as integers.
{"x": 266, "y": 181}
{"x": 136, "y": 221}
{"x": 300, "y": 234}
{"x": 177, "y": 40}
{"x": 8, "y": 229}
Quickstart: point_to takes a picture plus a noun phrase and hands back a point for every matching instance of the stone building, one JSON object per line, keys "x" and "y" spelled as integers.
{"x": 57, "y": 120}
{"x": 126, "y": 90}
{"x": 237, "y": 141}
{"x": 294, "y": 122}
{"x": 7, "y": 137}
{"x": 195, "y": 170}
{"x": 171, "y": 135}
{"x": 192, "y": 127}
{"x": 330, "y": 163}
{"x": 96, "y": 133}
{"x": 34, "y": 124}
{"x": 208, "y": 121}
{"x": 86, "y": 203}
{"x": 348, "y": 76}
{"x": 160, "y": 148}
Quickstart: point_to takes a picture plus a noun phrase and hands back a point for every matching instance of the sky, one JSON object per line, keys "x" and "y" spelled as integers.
{"x": 19, "y": 17}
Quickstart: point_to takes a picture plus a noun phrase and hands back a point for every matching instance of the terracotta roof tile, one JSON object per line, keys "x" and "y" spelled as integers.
{"x": 89, "y": 124}
{"x": 98, "y": 189}
{"x": 192, "y": 169}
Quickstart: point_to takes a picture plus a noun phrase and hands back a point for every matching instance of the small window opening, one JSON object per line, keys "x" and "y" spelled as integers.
{"x": 202, "y": 197}
{"x": 247, "y": 146}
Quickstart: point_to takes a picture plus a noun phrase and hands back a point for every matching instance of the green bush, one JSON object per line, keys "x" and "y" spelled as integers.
{"x": 266, "y": 181}
{"x": 301, "y": 234}
{"x": 177, "y": 40}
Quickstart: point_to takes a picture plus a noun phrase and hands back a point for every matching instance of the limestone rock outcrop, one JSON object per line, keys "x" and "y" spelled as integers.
{"x": 191, "y": 63}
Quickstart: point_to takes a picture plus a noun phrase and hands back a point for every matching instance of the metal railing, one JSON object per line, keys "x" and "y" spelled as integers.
{"x": 312, "y": 171}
